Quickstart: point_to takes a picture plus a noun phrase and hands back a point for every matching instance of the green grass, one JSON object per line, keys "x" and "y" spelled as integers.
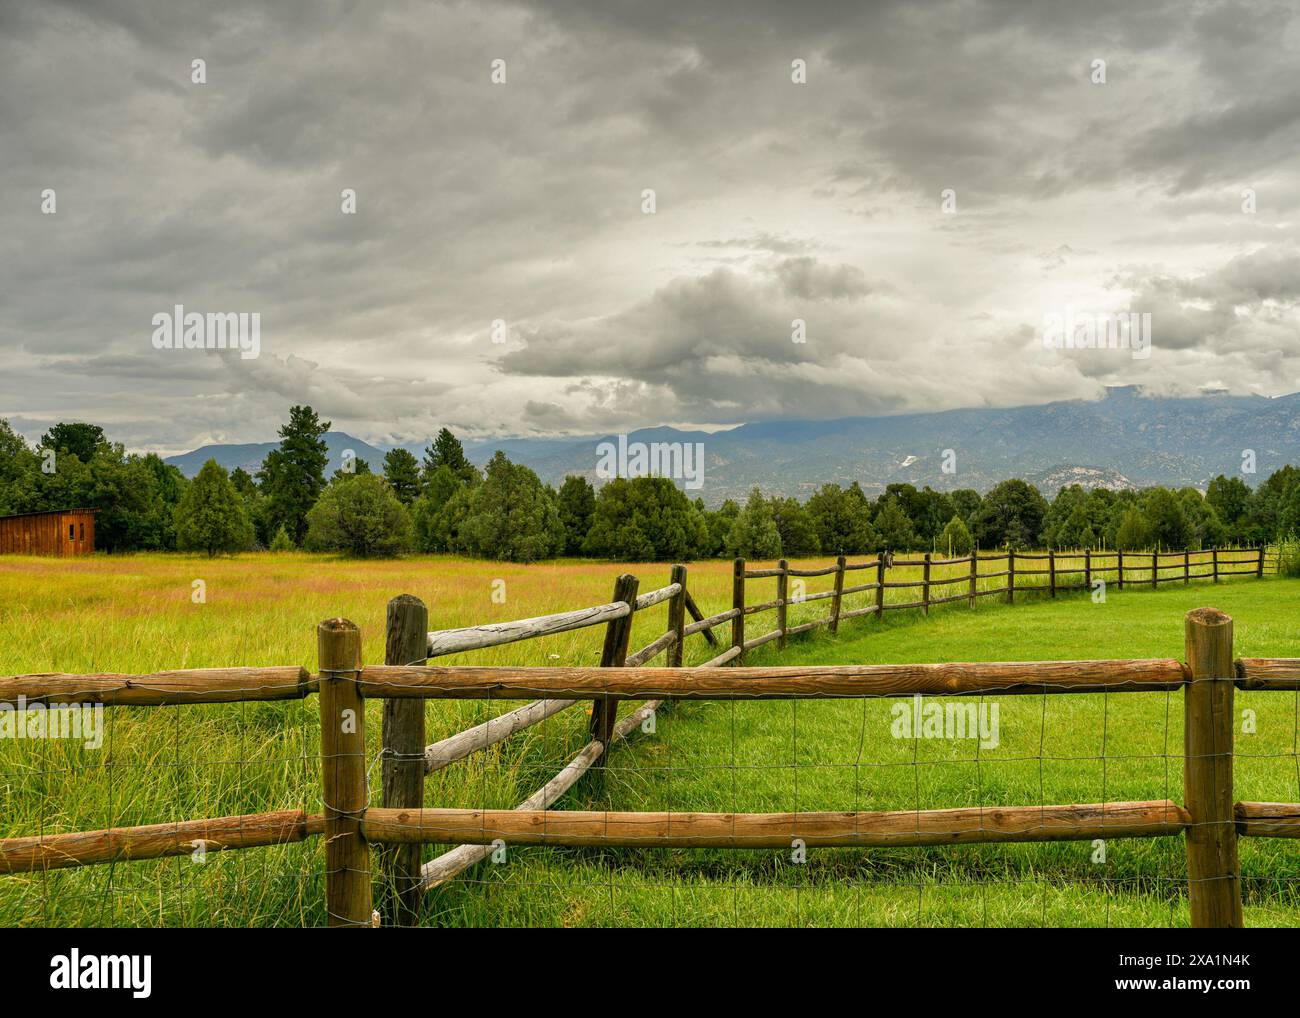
{"x": 187, "y": 762}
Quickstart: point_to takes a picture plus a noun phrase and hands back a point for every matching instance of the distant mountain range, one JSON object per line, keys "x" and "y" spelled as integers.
{"x": 1125, "y": 440}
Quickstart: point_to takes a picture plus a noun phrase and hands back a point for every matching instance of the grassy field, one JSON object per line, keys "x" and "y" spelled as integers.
{"x": 137, "y": 614}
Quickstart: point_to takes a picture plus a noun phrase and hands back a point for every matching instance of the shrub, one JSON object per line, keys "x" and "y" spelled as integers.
{"x": 359, "y": 515}
{"x": 282, "y": 541}
{"x": 211, "y": 516}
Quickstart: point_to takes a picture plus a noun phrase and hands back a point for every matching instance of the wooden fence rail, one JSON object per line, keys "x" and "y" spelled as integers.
{"x": 1210, "y": 819}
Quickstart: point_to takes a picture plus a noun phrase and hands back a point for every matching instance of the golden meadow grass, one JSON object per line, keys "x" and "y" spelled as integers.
{"x": 136, "y": 613}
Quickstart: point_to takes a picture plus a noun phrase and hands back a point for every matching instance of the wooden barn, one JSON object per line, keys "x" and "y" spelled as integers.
{"x": 59, "y": 532}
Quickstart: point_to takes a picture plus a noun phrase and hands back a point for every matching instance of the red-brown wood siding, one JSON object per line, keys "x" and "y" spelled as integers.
{"x": 67, "y": 532}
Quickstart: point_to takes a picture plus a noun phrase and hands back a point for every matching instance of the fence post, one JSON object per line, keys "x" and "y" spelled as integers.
{"x": 1213, "y": 874}
{"x": 604, "y": 712}
{"x": 1119, "y": 555}
{"x": 1155, "y": 568}
{"x": 1216, "y": 564}
{"x": 1011, "y": 576}
{"x": 1259, "y": 569}
{"x": 343, "y": 773}
{"x": 1051, "y": 571}
{"x": 838, "y": 598}
{"x": 677, "y": 617}
{"x": 880, "y": 586}
{"x": 738, "y": 605}
{"x": 1187, "y": 567}
{"x": 782, "y": 589}
{"x": 1087, "y": 569}
{"x": 406, "y": 643}
{"x": 974, "y": 575}
{"x": 925, "y": 584}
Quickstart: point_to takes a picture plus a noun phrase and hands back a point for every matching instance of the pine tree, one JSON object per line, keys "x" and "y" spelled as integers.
{"x": 893, "y": 527}
{"x": 211, "y": 516}
{"x": 446, "y": 451}
{"x": 402, "y": 472}
{"x": 1134, "y": 532}
{"x": 293, "y": 475}
{"x": 754, "y": 534}
{"x": 577, "y": 503}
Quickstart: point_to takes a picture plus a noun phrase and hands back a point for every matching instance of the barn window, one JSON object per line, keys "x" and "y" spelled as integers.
{"x": 71, "y": 531}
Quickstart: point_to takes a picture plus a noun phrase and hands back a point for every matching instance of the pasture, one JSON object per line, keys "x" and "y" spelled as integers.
{"x": 139, "y": 613}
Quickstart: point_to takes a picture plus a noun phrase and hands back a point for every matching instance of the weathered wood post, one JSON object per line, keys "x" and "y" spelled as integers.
{"x": 837, "y": 599}
{"x": 738, "y": 606}
{"x": 1087, "y": 569}
{"x": 677, "y": 617}
{"x": 1051, "y": 572}
{"x": 1011, "y": 576}
{"x": 1213, "y": 873}
{"x": 880, "y": 586}
{"x": 1215, "y": 560}
{"x": 974, "y": 576}
{"x": 1259, "y": 569}
{"x": 343, "y": 772}
{"x": 1187, "y": 567}
{"x": 925, "y": 584}
{"x": 406, "y": 643}
{"x": 782, "y": 589}
{"x": 698, "y": 616}
{"x": 1119, "y": 556}
{"x": 604, "y": 712}
{"x": 1155, "y": 568}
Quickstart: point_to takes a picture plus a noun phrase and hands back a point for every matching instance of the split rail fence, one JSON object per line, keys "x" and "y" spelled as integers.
{"x": 1210, "y": 819}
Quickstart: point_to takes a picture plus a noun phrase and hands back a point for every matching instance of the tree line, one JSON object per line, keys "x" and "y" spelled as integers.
{"x": 443, "y": 503}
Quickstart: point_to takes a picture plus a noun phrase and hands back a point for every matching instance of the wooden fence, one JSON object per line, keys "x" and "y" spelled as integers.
{"x": 1051, "y": 572}
{"x": 1210, "y": 819}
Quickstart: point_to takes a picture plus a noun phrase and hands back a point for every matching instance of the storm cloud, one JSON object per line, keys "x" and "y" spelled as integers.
{"x": 946, "y": 177}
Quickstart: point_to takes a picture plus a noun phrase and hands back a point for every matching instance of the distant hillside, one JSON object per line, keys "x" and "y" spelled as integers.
{"x": 250, "y": 456}
{"x": 1124, "y": 440}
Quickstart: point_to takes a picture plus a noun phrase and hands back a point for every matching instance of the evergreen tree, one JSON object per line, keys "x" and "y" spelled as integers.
{"x": 511, "y": 516}
{"x": 446, "y": 451}
{"x": 438, "y": 512}
{"x": 1229, "y": 497}
{"x": 645, "y": 519}
{"x": 795, "y": 525}
{"x": 842, "y": 520}
{"x": 1165, "y": 518}
{"x": 577, "y": 502}
{"x": 402, "y": 472}
{"x": 293, "y": 475}
{"x": 1076, "y": 530}
{"x": 1134, "y": 533}
{"x": 358, "y": 515}
{"x": 359, "y": 466}
{"x": 1011, "y": 515}
{"x": 894, "y": 529}
{"x": 955, "y": 539}
{"x": 718, "y": 526}
{"x": 211, "y": 516}
{"x": 76, "y": 439}
{"x": 754, "y": 534}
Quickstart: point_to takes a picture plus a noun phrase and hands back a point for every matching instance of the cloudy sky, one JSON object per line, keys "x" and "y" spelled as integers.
{"x": 524, "y": 201}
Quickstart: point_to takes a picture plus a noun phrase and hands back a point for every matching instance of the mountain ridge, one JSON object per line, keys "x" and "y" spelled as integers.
{"x": 1124, "y": 439}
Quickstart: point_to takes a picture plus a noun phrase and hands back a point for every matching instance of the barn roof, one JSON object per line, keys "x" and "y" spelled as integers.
{"x": 47, "y": 512}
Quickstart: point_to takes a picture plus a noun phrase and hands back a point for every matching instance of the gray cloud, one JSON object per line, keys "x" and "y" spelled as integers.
{"x": 522, "y": 202}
